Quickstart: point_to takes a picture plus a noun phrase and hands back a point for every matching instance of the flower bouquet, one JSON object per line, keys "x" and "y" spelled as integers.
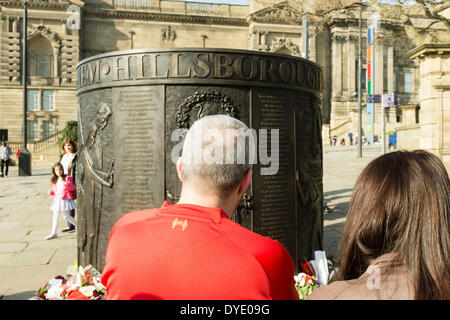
{"x": 305, "y": 284}
{"x": 80, "y": 284}
{"x": 315, "y": 273}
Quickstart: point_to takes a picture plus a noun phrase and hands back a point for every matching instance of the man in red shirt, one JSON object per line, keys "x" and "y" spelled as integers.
{"x": 192, "y": 250}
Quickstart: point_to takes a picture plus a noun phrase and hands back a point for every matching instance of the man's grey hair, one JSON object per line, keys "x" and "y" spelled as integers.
{"x": 216, "y": 148}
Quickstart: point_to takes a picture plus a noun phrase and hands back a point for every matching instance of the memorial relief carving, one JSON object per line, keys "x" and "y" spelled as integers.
{"x": 133, "y": 102}
{"x": 202, "y": 103}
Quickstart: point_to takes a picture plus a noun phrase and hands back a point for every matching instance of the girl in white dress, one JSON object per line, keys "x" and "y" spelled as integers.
{"x": 62, "y": 190}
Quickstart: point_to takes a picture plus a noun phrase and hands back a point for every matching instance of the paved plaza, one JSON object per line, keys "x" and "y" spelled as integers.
{"x": 27, "y": 261}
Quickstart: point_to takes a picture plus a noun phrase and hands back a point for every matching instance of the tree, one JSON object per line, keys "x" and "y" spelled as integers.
{"x": 70, "y": 131}
{"x": 423, "y": 20}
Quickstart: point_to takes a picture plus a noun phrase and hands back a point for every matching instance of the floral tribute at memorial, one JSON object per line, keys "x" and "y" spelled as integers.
{"x": 313, "y": 274}
{"x": 83, "y": 283}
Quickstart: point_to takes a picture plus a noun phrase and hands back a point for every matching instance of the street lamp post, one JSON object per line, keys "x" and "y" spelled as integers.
{"x": 25, "y": 155}
{"x": 359, "y": 148}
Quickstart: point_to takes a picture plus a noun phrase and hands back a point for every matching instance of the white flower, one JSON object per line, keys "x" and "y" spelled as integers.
{"x": 300, "y": 279}
{"x": 54, "y": 293}
{"x": 302, "y": 282}
{"x": 88, "y": 291}
{"x": 98, "y": 285}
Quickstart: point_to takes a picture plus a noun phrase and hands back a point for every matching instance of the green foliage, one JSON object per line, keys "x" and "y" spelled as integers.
{"x": 70, "y": 131}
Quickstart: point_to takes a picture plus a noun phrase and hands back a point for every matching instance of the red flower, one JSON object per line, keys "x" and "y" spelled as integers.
{"x": 305, "y": 267}
{"x": 76, "y": 295}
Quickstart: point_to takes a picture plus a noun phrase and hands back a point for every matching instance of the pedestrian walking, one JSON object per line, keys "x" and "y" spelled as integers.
{"x": 18, "y": 151}
{"x": 334, "y": 140}
{"x": 62, "y": 188}
{"x": 350, "y": 138}
{"x": 5, "y": 153}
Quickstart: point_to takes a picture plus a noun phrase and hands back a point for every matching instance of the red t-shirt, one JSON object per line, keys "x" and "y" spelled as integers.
{"x": 189, "y": 252}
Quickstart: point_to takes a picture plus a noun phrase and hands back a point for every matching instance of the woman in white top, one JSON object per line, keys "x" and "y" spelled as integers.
{"x": 68, "y": 160}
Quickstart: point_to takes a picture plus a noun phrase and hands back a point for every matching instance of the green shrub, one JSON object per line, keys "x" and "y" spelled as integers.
{"x": 70, "y": 131}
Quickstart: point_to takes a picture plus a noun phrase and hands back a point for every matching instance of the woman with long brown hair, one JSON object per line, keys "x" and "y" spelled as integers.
{"x": 396, "y": 240}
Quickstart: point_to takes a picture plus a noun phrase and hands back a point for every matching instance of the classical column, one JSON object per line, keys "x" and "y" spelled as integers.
{"x": 351, "y": 64}
{"x": 55, "y": 61}
{"x": 14, "y": 25}
{"x": 390, "y": 69}
{"x": 252, "y": 40}
{"x": 434, "y": 95}
{"x": 337, "y": 66}
{"x": 312, "y": 45}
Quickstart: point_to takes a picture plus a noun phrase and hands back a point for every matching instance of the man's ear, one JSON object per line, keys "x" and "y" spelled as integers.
{"x": 179, "y": 169}
{"x": 245, "y": 182}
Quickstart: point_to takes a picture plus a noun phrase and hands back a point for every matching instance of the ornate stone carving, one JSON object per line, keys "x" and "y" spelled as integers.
{"x": 339, "y": 38}
{"x": 46, "y": 33}
{"x": 353, "y": 38}
{"x": 280, "y": 13}
{"x": 168, "y": 34}
{"x": 280, "y": 43}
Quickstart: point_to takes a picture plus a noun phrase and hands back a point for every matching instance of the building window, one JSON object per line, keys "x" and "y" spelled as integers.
{"x": 48, "y": 128}
{"x": 33, "y": 100}
{"x": 32, "y": 70}
{"x": 41, "y": 100}
{"x": 40, "y": 65}
{"x": 44, "y": 66}
{"x": 408, "y": 82}
{"x": 32, "y": 127}
{"x": 40, "y": 59}
{"x": 48, "y": 100}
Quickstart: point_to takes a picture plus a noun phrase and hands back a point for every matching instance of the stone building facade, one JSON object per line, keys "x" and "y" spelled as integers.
{"x": 59, "y": 38}
{"x": 53, "y": 51}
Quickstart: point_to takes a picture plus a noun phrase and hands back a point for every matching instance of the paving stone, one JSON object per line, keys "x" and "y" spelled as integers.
{"x": 31, "y": 257}
{"x": 10, "y": 247}
{"x": 28, "y": 278}
{"x": 4, "y": 258}
{"x": 12, "y": 234}
{"x": 65, "y": 255}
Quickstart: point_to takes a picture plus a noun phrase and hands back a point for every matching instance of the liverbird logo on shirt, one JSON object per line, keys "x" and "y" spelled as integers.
{"x": 183, "y": 224}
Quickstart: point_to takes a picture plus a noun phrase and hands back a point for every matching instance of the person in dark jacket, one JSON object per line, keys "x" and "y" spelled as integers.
{"x": 68, "y": 160}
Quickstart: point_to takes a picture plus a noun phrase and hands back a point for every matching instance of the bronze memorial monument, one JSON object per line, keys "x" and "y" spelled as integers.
{"x": 131, "y": 102}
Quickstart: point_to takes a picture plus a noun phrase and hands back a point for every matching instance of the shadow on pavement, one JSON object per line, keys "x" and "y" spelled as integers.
{"x": 332, "y": 239}
{"x": 19, "y": 296}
